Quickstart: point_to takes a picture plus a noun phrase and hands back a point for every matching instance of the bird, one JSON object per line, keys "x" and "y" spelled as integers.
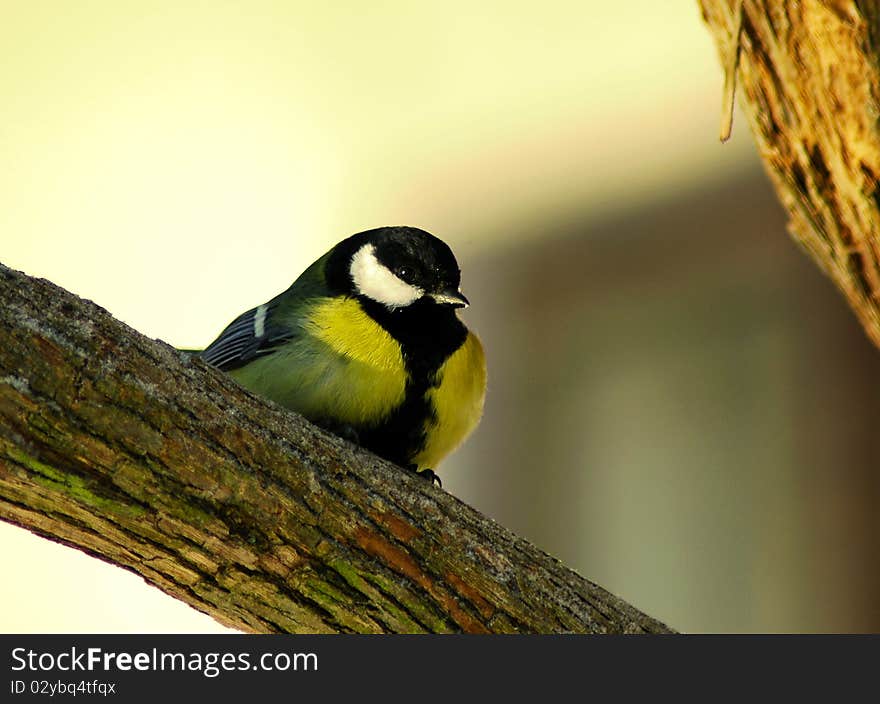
{"x": 367, "y": 343}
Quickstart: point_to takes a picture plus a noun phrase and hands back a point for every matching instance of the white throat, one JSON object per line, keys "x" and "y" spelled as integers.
{"x": 375, "y": 280}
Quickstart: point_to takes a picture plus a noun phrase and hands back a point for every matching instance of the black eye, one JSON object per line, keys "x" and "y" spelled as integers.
{"x": 402, "y": 272}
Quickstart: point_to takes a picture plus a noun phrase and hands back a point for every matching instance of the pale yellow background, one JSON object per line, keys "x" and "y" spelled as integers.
{"x": 179, "y": 162}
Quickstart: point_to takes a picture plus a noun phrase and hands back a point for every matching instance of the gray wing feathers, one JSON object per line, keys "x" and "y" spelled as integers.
{"x": 250, "y": 335}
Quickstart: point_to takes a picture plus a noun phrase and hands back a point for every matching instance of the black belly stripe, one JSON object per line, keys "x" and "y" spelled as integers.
{"x": 428, "y": 335}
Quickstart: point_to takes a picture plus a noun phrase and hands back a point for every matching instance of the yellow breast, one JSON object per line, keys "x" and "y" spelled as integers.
{"x": 343, "y": 325}
{"x": 349, "y": 369}
{"x": 345, "y": 367}
{"x": 364, "y": 378}
{"x": 457, "y": 401}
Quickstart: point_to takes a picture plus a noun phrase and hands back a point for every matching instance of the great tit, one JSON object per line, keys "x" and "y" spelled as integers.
{"x": 367, "y": 343}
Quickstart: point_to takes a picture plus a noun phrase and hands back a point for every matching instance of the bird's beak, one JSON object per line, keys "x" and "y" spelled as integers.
{"x": 450, "y": 297}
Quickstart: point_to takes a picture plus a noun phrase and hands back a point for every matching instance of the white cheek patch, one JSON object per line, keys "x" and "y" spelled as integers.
{"x": 376, "y": 281}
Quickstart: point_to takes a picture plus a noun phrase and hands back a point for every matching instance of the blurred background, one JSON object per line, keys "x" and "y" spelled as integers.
{"x": 680, "y": 404}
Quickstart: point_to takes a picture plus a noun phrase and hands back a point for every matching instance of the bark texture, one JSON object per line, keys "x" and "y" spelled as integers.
{"x": 137, "y": 454}
{"x": 809, "y": 81}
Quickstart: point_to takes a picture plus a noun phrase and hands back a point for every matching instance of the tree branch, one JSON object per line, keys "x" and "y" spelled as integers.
{"x": 142, "y": 456}
{"x": 809, "y": 78}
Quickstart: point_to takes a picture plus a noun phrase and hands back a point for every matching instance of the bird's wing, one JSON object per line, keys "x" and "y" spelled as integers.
{"x": 250, "y": 335}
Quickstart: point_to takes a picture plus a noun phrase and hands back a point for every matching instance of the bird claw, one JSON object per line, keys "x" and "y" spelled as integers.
{"x": 428, "y": 474}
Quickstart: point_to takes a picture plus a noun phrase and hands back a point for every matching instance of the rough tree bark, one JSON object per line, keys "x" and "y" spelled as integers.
{"x": 808, "y": 77}
{"x": 141, "y": 456}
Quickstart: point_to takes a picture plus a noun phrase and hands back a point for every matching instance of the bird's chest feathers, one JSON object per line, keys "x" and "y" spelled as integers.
{"x": 364, "y": 377}
{"x": 457, "y": 402}
{"x": 349, "y": 332}
{"x": 421, "y": 397}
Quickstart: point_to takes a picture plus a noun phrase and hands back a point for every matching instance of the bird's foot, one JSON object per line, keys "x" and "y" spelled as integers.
{"x": 428, "y": 474}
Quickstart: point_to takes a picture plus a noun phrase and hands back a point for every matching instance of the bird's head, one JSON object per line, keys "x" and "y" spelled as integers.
{"x": 398, "y": 267}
